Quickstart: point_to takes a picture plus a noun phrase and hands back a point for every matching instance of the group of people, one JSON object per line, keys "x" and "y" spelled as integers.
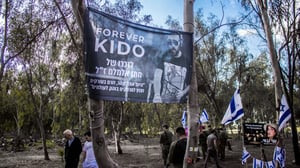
{"x": 74, "y": 149}
{"x": 211, "y": 141}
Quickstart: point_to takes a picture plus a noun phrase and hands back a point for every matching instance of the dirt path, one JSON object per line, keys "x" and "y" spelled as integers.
{"x": 142, "y": 154}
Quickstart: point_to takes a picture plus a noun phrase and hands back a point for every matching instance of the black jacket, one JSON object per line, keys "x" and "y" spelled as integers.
{"x": 72, "y": 153}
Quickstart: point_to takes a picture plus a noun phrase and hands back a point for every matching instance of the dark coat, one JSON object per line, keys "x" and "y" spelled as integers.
{"x": 72, "y": 153}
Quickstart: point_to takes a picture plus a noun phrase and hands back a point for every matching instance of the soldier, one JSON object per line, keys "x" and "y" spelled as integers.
{"x": 223, "y": 142}
{"x": 202, "y": 142}
{"x": 165, "y": 142}
{"x": 212, "y": 149}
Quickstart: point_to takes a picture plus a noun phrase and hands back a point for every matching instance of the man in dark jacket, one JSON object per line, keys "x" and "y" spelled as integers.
{"x": 73, "y": 149}
{"x": 177, "y": 149}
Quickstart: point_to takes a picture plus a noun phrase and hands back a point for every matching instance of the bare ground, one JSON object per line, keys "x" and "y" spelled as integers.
{"x": 143, "y": 153}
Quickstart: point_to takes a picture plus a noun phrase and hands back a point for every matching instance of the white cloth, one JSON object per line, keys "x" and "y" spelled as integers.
{"x": 90, "y": 160}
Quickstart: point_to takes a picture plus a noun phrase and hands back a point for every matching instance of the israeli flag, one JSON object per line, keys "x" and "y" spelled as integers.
{"x": 245, "y": 156}
{"x": 184, "y": 120}
{"x": 257, "y": 163}
{"x": 285, "y": 113}
{"x": 279, "y": 155}
{"x": 270, "y": 164}
{"x": 234, "y": 110}
{"x": 203, "y": 117}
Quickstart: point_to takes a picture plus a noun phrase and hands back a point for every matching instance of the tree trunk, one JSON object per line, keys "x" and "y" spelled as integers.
{"x": 117, "y": 143}
{"x": 43, "y": 135}
{"x": 276, "y": 70}
{"x": 3, "y": 46}
{"x": 290, "y": 96}
{"x": 193, "y": 105}
{"x": 158, "y": 114}
{"x": 96, "y": 107}
{"x": 38, "y": 111}
{"x": 97, "y": 128}
{"x": 116, "y": 123}
{"x": 273, "y": 56}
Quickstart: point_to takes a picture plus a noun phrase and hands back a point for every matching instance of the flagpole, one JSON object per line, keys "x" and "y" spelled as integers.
{"x": 243, "y": 141}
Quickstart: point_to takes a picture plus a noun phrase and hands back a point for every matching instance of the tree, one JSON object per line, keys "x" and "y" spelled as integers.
{"x": 281, "y": 17}
{"x": 285, "y": 17}
{"x": 210, "y": 54}
{"x": 258, "y": 95}
{"x": 32, "y": 59}
{"x": 4, "y": 58}
{"x": 97, "y": 106}
{"x": 193, "y": 104}
{"x": 116, "y": 112}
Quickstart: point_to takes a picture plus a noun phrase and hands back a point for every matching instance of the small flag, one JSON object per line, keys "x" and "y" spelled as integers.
{"x": 203, "y": 117}
{"x": 270, "y": 164}
{"x": 234, "y": 110}
{"x": 245, "y": 156}
{"x": 184, "y": 120}
{"x": 257, "y": 163}
{"x": 285, "y": 113}
{"x": 279, "y": 155}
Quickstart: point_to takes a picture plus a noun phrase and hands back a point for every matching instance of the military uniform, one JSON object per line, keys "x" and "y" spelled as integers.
{"x": 165, "y": 142}
{"x": 223, "y": 141}
{"x": 202, "y": 142}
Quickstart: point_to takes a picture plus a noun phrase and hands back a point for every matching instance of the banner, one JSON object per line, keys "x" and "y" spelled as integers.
{"x": 131, "y": 62}
{"x": 254, "y": 133}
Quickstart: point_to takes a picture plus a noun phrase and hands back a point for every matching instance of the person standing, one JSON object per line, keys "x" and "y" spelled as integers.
{"x": 223, "y": 137}
{"x": 212, "y": 148}
{"x": 202, "y": 142}
{"x": 165, "y": 142}
{"x": 73, "y": 149}
{"x": 88, "y": 157}
{"x": 177, "y": 149}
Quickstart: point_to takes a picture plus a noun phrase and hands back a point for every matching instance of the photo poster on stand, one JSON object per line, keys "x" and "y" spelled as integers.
{"x": 254, "y": 133}
{"x": 260, "y": 133}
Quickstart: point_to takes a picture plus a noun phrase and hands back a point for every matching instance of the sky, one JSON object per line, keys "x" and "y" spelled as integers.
{"x": 160, "y": 9}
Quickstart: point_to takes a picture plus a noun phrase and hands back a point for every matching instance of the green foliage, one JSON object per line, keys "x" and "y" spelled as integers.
{"x": 45, "y": 81}
{"x": 128, "y": 10}
{"x": 224, "y": 64}
{"x": 49, "y": 143}
{"x": 60, "y": 152}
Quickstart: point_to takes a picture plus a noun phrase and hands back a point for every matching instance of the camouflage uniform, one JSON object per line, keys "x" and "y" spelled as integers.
{"x": 165, "y": 142}
{"x": 222, "y": 143}
{"x": 202, "y": 142}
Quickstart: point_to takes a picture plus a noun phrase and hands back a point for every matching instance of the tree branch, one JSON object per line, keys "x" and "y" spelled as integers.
{"x": 221, "y": 25}
{"x": 65, "y": 20}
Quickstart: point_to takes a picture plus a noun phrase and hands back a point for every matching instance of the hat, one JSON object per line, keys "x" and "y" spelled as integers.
{"x": 271, "y": 125}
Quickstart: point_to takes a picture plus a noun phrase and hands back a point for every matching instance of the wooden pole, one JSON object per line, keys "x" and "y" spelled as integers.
{"x": 193, "y": 105}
